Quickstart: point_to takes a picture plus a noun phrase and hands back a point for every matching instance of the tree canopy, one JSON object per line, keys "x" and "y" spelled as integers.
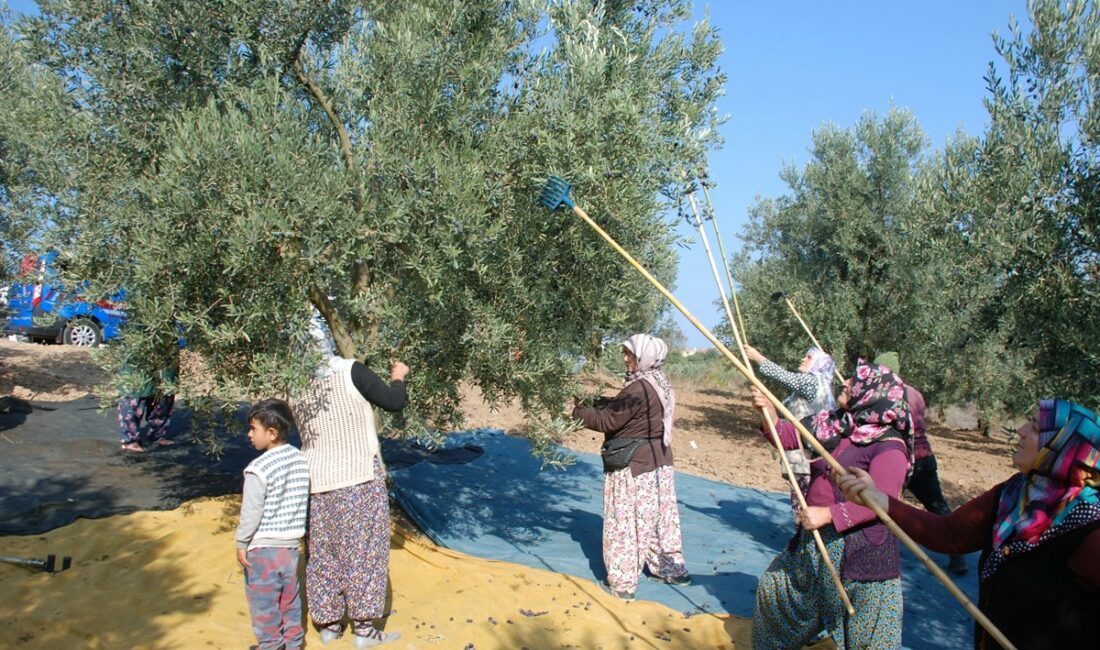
{"x": 31, "y": 160}
{"x": 1022, "y": 205}
{"x": 979, "y": 262}
{"x": 838, "y": 244}
{"x": 241, "y": 164}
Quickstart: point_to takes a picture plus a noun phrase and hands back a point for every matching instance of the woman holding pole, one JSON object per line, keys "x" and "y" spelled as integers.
{"x": 795, "y": 598}
{"x": 811, "y": 392}
{"x": 555, "y": 194}
{"x": 1039, "y": 532}
{"x": 811, "y": 386}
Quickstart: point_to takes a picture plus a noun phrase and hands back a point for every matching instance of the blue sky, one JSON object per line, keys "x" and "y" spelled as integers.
{"x": 793, "y": 66}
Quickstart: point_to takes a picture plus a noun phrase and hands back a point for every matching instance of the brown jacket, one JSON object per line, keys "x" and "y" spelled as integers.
{"x": 634, "y": 413}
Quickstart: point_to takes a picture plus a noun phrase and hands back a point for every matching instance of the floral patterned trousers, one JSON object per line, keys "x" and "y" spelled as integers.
{"x": 156, "y": 411}
{"x": 796, "y": 599}
{"x": 641, "y": 527}
{"x": 349, "y": 553}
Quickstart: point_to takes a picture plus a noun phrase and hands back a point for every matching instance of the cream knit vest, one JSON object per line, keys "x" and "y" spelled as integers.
{"x": 339, "y": 432}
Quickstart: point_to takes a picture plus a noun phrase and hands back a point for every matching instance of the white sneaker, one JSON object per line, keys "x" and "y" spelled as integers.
{"x": 328, "y": 636}
{"x": 373, "y": 638}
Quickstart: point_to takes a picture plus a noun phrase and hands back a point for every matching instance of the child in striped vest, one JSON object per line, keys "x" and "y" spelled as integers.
{"x": 273, "y": 522}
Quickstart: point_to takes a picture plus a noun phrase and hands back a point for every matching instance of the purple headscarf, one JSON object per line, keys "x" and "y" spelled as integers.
{"x": 650, "y": 352}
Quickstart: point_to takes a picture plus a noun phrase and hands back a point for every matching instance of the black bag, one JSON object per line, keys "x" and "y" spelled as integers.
{"x": 617, "y": 452}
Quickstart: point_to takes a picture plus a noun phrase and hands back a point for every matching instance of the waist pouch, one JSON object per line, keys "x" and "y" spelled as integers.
{"x": 800, "y": 463}
{"x": 617, "y": 452}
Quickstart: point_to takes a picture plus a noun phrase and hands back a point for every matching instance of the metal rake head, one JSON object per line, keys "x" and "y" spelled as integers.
{"x": 556, "y": 193}
{"x": 49, "y": 565}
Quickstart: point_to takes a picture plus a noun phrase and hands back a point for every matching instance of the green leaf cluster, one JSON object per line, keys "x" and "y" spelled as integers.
{"x": 32, "y": 160}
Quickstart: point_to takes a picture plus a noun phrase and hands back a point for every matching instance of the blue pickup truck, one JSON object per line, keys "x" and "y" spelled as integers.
{"x": 40, "y": 309}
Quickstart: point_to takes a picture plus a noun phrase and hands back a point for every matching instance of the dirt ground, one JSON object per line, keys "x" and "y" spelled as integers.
{"x": 716, "y": 436}
{"x": 46, "y": 373}
{"x": 715, "y": 433}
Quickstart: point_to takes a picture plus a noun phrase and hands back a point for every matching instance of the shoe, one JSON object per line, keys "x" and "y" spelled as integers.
{"x": 165, "y": 442}
{"x": 328, "y": 636}
{"x": 957, "y": 565}
{"x": 625, "y": 596}
{"x": 132, "y": 446}
{"x": 677, "y": 581}
{"x": 373, "y": 637}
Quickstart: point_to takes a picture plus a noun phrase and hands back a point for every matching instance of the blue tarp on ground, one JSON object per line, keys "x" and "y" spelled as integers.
{"x": 501, "y": 505}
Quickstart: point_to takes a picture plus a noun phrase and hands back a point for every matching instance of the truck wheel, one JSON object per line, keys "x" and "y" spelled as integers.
{"x": 82, "y": 332}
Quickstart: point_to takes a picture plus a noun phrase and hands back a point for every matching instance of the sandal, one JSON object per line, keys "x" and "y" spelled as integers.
{"x": 132, "y": 447}
{"x": 165, "y": 442}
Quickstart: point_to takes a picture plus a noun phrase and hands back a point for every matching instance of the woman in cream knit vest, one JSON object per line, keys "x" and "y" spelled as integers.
{"x": 349, "y": 516}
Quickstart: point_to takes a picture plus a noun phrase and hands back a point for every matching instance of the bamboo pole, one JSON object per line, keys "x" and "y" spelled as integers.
{"x": 806, "y": 435}
{"x": 812, "y": 337}
{"x": 725, "y": 263}
{"x": 818, "y": 541}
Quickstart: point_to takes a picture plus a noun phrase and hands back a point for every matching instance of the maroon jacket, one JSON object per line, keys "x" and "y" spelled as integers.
{"x": 634, "y": 413}
{"x": 871, "y": 553}
{"x": 1046, "y": 598}
{"x": 921, "y": 446}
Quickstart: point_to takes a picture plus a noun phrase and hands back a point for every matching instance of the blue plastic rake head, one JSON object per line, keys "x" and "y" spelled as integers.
{"x": 556, "y": 193}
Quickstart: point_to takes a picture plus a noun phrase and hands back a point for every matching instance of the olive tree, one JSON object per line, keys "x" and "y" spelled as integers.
{"x": 378, "y": 162}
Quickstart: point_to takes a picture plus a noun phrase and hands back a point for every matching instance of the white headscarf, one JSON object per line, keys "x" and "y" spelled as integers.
{"x": 821, "y": 368}
{"x": 323, "y": 344}
{"x": 650, "y": 352}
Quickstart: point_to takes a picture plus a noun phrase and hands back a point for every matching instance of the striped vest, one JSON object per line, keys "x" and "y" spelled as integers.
{"x": 286, "y": 503}
{"x": 338, "y": 428}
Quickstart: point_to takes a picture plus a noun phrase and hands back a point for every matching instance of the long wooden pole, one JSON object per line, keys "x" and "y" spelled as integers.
{"x": 812, "y": 337}
{"x": 795, "y": 489}
{"x": 806, "y": 435}
{"x": 725, "y": 263}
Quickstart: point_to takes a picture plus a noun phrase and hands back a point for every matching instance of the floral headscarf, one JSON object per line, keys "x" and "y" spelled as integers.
{"x": 650, "y": 352}
{"x": 1060, "y": 493}
{"x": 877, "y": 409}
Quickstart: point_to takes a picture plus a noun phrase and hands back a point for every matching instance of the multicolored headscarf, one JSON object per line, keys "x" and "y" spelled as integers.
{"x": 877, "y": 409}
{"x": 1060, "y": 492}
{"x": 650, "y": 352}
